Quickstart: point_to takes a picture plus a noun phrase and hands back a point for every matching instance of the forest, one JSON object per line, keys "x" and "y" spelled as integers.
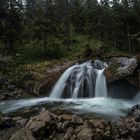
{"x": 57, "y": 27}
{"x": 69, "y": 69}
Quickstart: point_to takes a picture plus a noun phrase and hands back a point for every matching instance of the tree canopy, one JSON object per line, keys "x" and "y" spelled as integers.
{"x": 114, "y": 23}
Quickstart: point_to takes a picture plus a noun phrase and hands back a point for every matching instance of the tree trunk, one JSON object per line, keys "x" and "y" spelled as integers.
{"x": 67, "y": 25}
{"x": 129, "y": 43}
{"x": 11, "y": 46}
{"x": 6, "y": 47}
{"x": 45, "y": 47}
{"x": 67, "y": 34}
{"x": 115, "y": 41}
{"x": 99, "y": 32}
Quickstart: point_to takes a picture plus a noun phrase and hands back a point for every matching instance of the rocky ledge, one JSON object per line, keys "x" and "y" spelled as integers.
{"x": 51, "y": 126}
{"x": 120, "y": 68}
{"x": 41, "y": 78}
{"x": 37, "y": 83}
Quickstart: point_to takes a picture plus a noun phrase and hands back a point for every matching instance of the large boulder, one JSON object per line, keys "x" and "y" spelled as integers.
{"x": 135, "y": 113}
{"x": 84, "y": 132}
{"x": 120, "y": 68}
{"x": 41, "y": 124}
{"x": 23, "y": 134}
{"x": 128, "y": 127}
{"x": 47, "y": 125}
{"x": 6, "y": 122}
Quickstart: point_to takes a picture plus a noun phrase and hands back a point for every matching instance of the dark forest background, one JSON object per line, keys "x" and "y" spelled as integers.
{"x": 34, "y": 29}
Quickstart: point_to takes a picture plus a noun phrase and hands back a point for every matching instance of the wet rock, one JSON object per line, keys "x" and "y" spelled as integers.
{"x": 6, "y": 122}
{"x": 23, "y": 134}
{"x": 8, "y": 96}
{"x": 66, "y": 124}
{"x": 2, "y": 97}
{"x": 21, "y": 123}
{"x": 11, "y": 87}
{"x": 86, "y": 134}
{"x": 29, "y": 87}
{"x": 120, "y": 68}
{"x": 135, "y": 113}
{"x": 17, "y": 118}
{"x": 48, "y": 126}
{"x": 41, "y": 123}
{"x": 1, "y": 114}
{"x": 2, "y": 81}
{"x": 129, "y": 126}
{"x": 102, "y": 129}
{"x": 69, "y": 133}
{"x": 65, "y": 117}
{"x": 6, "y": 133}
{"x": 59, "y": 136}
{"x": 76, "y": 120}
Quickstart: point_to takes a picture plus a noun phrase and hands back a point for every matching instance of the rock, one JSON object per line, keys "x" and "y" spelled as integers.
{"x": 65, "y": 117}
{"x": 1, "y": 81}
{"x": 7, "y": 96}
{"x": 59, "y": 136}
{"x": 17, "y": 54}
{"x": 69, "y": 133}
{"x": 135, "y": 113}
{"x": 21, "y": 123}
{"x": 52, "y": 74}
{"x": 129, "y": 126}
{"x": 17, "y": 118}
{"x": 76, "y": 120}
{"x": 1, "y": 115}
{"x": 41, "y": 123}
{"x": 11, "y": 87}
{"x": 48, "y": 126}
{"x": 66, "y": 124}
{"x": 85, "y": 134}
{"x": 120, "y": 68}
{"x": 6, "y": 133}
{"x": 6, "y": 122}
{"x": 29, "y": 87}
{"x": 2, "y": 97}
{"x": 23, "y": 134}
{"x": 102, "y": 129}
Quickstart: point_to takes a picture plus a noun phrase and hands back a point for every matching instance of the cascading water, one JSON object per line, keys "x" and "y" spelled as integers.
{"x": 82, "y": 80}
{"x": 100, "y": 88}
{"x": 60, "y": 85}
{"x": 77, "y": 82}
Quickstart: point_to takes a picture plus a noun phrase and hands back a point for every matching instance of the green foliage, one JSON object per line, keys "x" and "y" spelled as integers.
{"x": 6, "y": 64}
{"x": 10, "y": 23}
{"x": 61, "y": 28}
{"x": 19, "y": 77}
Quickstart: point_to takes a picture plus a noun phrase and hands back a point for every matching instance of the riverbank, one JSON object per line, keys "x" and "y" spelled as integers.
{"x": 52, "y": 126}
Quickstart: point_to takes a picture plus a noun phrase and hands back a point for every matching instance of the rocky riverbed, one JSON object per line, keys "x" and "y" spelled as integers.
{"x": 46, "y": 125}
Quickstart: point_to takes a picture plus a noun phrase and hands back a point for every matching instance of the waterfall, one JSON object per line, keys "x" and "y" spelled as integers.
{"x": 76, "y": 83}
{"x": 81, "y": 80}
{"x": 59, "y": 87}
{"x": 100, "y": 88}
